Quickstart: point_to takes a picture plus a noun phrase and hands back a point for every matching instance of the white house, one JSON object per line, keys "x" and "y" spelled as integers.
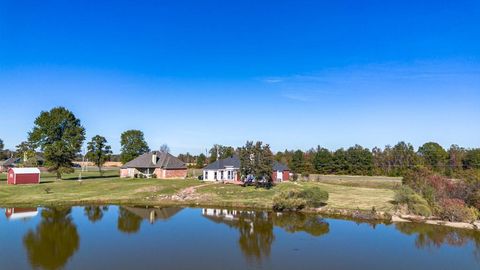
{"x": 228, "y": 169}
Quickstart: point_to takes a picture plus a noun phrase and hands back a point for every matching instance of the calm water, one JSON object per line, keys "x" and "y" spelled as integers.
{"x": 114, "y": 237}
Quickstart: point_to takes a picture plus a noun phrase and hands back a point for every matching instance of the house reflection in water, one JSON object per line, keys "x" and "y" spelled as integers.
{"x": 154, "y": 214}
{"x": 256, "y": 227}
{"x": 20, "y": 213}
{"x": 130, "y": 218}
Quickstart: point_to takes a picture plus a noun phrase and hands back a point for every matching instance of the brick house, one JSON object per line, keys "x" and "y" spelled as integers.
{"x": 228, "y": 169}
{"x": 155, "y": 164}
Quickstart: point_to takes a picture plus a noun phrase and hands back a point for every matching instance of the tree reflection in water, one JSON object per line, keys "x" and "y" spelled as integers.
{"x": 127, "y": 221}
{"x": 256, "y": 228}
{"x": 431, "y": 236}
{"x": 300, "y": 222}
{"x": 95, "y": 213}
{"x": 54, "y": 240}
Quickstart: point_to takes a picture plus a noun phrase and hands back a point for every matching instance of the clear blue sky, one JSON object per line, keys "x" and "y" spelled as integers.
{"x": 294, "y": 74}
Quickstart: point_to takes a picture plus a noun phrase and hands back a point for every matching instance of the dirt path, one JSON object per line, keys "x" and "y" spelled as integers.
{"x": 187, "y": 193}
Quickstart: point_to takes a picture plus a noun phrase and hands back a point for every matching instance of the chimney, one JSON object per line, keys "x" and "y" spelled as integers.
{"x": 154, "y": 158}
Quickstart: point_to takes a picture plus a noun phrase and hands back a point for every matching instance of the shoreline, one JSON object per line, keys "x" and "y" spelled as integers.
{"x": 346, "y": 214}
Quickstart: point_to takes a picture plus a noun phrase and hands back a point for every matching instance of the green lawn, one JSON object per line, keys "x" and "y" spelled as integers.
{"x": 344, "y": 192}
{"x": 340, "y": 197}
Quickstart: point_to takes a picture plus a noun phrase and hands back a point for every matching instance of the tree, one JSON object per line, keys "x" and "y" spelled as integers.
{"x": 128, "y": 222}
{"x": 60, "y": 136}
{"x": 26, "y": 151}
{"x": 298, "y": 162}
{"x": 256, "y": 160}
{"x": 456, "y": 156}
{"x": 164, "y": 148}
{"x": 472, "y": 159}
{"x": 133, "y": 145}
{"x": 98, "y": 151}
{"x": 220, "y": 152}
{"x": 201, "y": 159}
{"x": 359, "y": 160}
{"x": 2, "y": 153}
{"x": 434, "y": 155}
{"x": 322, "y": 160}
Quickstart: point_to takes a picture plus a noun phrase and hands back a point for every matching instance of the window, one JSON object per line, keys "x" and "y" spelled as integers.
{"x": 206, "y": 175}
{"x": 215, "y": 175}
{"x": 221, "y": 175}
{"x": 229, "y": 175}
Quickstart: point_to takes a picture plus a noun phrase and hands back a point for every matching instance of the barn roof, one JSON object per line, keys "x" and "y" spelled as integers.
{"x": 163, "y": 160}
{"x": 25, "y": 170}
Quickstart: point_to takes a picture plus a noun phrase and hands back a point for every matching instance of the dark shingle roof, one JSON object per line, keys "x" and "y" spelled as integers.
{"x": 163, "y": 160}
{"x": 10, "y": 161}
{"x": 277, "y": 166}
{"x": 234, "y": 161}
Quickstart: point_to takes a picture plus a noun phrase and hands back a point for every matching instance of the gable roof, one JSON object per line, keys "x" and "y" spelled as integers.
{"x": 280, "y": 167}
{"x": 233, "y": 161}
{"x": 9, "y": 162}
{"x": 163, "y": 160}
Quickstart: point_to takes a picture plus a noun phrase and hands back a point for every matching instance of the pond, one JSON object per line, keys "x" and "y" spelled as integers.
{"x": 113, "y": 237}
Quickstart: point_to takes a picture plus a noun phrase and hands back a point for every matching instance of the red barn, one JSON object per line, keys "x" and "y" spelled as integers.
{"x": 18, "y": 176}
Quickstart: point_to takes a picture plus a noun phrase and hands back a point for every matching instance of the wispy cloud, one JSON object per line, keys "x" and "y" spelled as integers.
{"x": 273, "y": 80}
{"x": 296, "y": 97}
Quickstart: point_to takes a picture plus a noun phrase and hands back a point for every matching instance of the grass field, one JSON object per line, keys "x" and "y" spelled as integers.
{"x": 345, "y": 192}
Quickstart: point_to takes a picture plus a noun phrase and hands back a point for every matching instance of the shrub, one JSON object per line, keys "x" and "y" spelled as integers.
{"x": 154, "y": 175}
{"x": 289, "y": 201}
{"x": 294, "y": 200}
{"x": 315, "y": 196}
{"x": 415, "y": 202}
{"x": 457, "y": 210}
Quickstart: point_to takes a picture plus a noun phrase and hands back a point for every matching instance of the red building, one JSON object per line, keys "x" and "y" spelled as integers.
{"x": 17, "y": 176}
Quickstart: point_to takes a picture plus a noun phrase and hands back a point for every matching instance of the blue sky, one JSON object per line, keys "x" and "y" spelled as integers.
{"x": 294, "y": 74}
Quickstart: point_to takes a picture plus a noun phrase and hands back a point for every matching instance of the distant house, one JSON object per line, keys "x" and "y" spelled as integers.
{"x": 9, "y": 163}
{"x": 155, "y": 164}
{"x": 228, "y": 169}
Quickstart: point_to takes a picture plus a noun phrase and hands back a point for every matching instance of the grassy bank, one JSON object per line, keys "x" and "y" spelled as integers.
{"x": 109, "y": 189}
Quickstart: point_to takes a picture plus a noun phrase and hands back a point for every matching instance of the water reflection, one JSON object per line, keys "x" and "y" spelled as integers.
{"x": 21, "y": 213}
{"x": 256, "y": 228}
{"x": 130, "y": 218}
{"x": 429, "y": 236}
{"x": 95, "y": 213}
{"x": 54, "y": 240}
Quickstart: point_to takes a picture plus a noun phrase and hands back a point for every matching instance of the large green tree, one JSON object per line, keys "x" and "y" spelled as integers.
{"x": 99, "y": 151}
{"x": 322, "y": 160}
{"x": 133, "y": 144}
{"x": 60, "y": 136}
{"x": 201, "y": 160}
{"x": 297, "y": 165}
{"x": 472, "y": 159}
{"x": 256, "y": 159}
{"x": 26, "y": 151}
{"x": 220, "y": 152}
{"x": 433, "y": 155}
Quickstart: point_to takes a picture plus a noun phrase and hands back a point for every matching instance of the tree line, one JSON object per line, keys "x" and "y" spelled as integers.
{"x": 59, "y": 135}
